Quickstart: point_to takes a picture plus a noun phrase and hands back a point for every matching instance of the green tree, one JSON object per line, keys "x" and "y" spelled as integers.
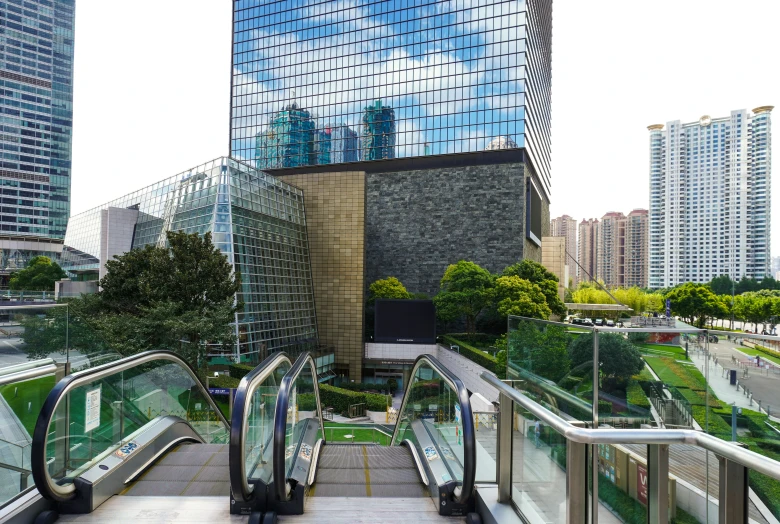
{"x": 180, "y": 298}
{"x": 618, "y": 357}
{"x": 721, "y": 285}
{"x": 39, "y": 275}
{"x": 389, "y": 287}
{"x": 539, "y": 275}
{"x": 540, "y": 349}
{"x": 695, "y": 303}
{"x": 519, "y": 297}
{"x": 465, "y": 290}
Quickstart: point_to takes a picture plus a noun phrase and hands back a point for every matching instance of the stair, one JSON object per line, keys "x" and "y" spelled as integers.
{"x": 346, "y": 470}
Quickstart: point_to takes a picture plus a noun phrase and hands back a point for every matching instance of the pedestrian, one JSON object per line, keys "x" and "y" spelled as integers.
{"x": 537, "y": 432}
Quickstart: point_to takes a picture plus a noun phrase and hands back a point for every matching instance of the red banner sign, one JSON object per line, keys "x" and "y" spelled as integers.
{"x": 641, "y": 483}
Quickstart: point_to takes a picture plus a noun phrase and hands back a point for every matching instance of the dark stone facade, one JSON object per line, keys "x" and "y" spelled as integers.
{"x": 420, "y": 221}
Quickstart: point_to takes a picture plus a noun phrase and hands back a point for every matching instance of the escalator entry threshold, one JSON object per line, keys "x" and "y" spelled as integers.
{"x": 194, "y": 470}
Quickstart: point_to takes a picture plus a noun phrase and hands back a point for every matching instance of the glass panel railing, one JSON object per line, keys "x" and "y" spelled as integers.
{"x": 432, "y": 404}
{"x": 92, "y": 413}
{"x": 297, "y": 424}
{"x": 252, "y": 426}
{"x": 662, "y": 373}
{"x": 23, "y": 389}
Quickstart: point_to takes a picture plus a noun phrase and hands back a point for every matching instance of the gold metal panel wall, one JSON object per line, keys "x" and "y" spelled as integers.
{"x": 335, "y": 222}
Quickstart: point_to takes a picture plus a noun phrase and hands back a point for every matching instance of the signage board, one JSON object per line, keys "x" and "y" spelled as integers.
{"x": 92, "y": 410}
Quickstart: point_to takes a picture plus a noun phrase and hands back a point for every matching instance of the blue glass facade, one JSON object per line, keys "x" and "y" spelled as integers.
{"x": 410, "y": 78}
{"x": 36, "y": 102}
{"x": 256, "y": 220}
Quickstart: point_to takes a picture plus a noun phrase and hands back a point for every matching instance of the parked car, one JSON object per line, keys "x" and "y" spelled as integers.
{"x": 587, "y": 322}
{"x": 599, "y": 322}
{"x": 610, "y": 323}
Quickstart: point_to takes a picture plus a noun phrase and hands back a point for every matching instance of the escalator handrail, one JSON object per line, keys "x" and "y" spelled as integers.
{"x": 239, "y": 483}
{"x": 467, "y": 421}
{"x": 280, "y": 419}
{"x": 43, "y": 481}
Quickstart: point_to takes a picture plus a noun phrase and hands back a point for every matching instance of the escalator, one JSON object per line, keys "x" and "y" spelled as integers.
{"x": 131, "y": 436}
{"x": 431, "y": 455}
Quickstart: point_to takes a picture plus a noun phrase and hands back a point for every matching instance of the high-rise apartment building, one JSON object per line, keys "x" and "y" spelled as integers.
{"x": 775, "y": 265}
{"x": 565, "y": 226}
{"x": 610, "y": 249}
{"x": 450, "y": 104}
{"x": 710, "y": 198}
{"x": 588, "y": 250}
{"x": 636, "y": 267}
{"x": 336, "y": 144}
{"x": 622, "y": 249}
{"x": 36, "y": 75}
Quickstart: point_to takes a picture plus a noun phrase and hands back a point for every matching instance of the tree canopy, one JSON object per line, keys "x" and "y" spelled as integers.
{"x": 179, "y": 298}
{"x": 465, "y": 290}
{"x": 517, "y": 296}
{"x": 618, "y": 357}
{"x": 695, "y": 303}
{"x": 40, "y": 275}
{"x": 389, "y": 287}
{"x": 547, "y": 282}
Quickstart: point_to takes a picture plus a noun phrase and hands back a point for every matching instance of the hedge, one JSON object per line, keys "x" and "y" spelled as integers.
{"x": 636, "y": 396}
{"x": 470, "y": 352}
{"x": 365, "y": 386}
{"x": 223, "y": 381}
{"x": 238, "y": 371}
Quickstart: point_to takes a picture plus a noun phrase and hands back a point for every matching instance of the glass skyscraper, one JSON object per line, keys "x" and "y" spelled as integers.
{"x": 256, "y": 220}
{"x": 410, "y": 78}
{"x": 36, "y": 77}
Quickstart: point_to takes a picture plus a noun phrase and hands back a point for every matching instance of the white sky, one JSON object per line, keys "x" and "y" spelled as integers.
{"x": 152, "y": 90}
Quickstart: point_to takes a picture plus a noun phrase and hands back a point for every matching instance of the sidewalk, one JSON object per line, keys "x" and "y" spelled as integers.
{"x": 720, "y": 384}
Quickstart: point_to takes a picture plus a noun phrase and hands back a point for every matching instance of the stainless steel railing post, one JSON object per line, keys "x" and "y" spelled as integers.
{"x": 733, "y": 492}
{"x": 576, "y": 483}
{"x": 504, "y": 462}
{"x": 658, "y": 484}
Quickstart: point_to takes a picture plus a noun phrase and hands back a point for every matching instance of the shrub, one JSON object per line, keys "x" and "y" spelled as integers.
{"x": 636, "y": 396}
{"x": 239, "y": 371}
{"x": 223, "y": 381}
{"x": 605, "y": 407}
{"x": 339, "y": 399}
{"x": 376, "y": 402}
{"x": 470, "y": 352}
{"x": 629, "y": 510}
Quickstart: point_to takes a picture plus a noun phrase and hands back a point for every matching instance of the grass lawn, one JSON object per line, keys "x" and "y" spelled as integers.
{"x": 32, "y": 392}
{"x": 677, "y": 351}
{"x": 763, "y": 353}
{"x": 335, "y": 432}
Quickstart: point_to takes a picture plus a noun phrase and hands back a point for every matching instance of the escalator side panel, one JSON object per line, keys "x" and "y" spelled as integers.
{"x": 109, "y": 476}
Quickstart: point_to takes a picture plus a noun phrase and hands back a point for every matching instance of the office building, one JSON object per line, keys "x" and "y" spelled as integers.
{"x": 288, "y": 140}
{"x": 257, "y": 221}
{"x": 336, "y": 145}
{"x": 36, "y": 75}
{"x": 377, "y": 139}
{"x": 565, "y": 226}
{"x": 451, "y": 108}
{"x": 710, "y": 198}
{"x": 588, "y": 250}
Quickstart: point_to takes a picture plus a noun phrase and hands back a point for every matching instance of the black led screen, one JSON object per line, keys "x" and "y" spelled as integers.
{"x": 405, "y": 321}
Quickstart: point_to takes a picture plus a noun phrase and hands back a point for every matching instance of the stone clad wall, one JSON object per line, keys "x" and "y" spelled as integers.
{"x": 419, "y": 222}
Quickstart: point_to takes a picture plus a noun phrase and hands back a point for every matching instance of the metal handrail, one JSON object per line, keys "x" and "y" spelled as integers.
{"x": 43, "y": 481}
{"x": 722, "y": 448}
{"x": 44, "y": 367}
{"x": 464, "y": 491}
{"x": 239, "y": 483}
{"x": 280, "y": 420}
